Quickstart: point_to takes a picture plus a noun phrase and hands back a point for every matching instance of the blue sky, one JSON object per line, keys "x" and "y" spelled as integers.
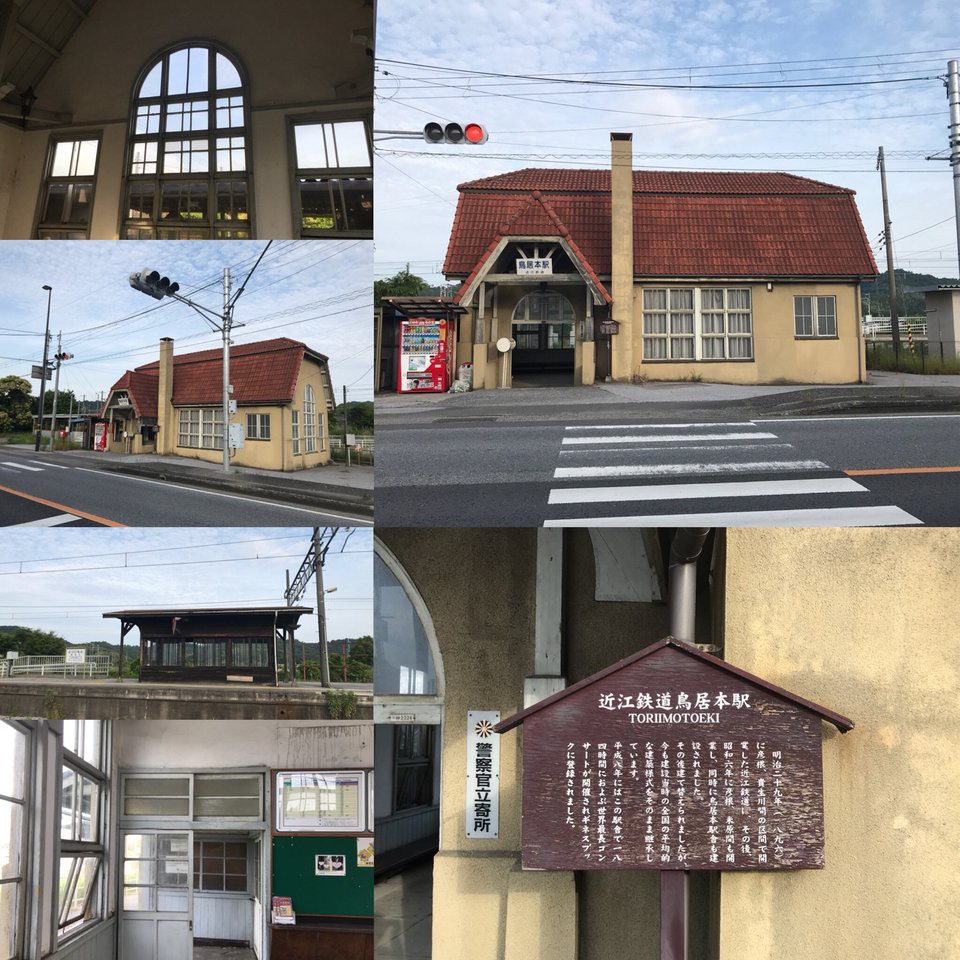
{"x": 317, "y": 292}
{"x": 691, "y": 43}
{"x": 63, "y": 580}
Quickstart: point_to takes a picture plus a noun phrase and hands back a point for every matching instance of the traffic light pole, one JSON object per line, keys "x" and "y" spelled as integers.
{"x": 56, "y": 390}
{"x": 43, "y": 374}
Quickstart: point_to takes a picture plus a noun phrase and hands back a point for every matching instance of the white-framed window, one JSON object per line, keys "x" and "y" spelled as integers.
{"x": 258, "y": 426}
{"x": 295, "y": 430}
{"x": 201, "y": 428}
{"x": 14, "y": 783}
{"x": 188, "y": 168}
{"x": 815, "y": 317}
{"x": 67, "y": 200}
{"x": 309, "y": 419}
{"x": 83, "y": 802}
{"x": 333, "y": 176}
{"x": 220, "y": 865}
{"x": 692, "y": 323}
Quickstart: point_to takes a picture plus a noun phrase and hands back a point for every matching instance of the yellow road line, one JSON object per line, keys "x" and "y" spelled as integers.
{"x": 63, "y": 509}
{"x": 892, "y": 470}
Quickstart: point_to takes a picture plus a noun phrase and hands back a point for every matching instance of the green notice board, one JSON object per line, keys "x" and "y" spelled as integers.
{"x": 295, "y": 876}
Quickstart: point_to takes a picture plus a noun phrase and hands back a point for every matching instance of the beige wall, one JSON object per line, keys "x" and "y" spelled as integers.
{"x": 779, "y": 355}
{"x": 298, "y": 56}
{"x": 863, "y": 622}
{"x": 479, "y": 587}
{"x": 10, "y": 144}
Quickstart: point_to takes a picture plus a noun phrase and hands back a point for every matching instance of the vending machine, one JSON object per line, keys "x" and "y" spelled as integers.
{"x": 100, "y": 436}
{"x": 424, "y": 361}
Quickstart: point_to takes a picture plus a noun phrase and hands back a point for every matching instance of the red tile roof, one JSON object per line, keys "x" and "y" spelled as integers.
{"x": 261, "y": 373}
{"x": 686, "y": 224}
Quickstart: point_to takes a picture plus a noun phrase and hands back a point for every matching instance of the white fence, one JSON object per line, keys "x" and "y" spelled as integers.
{"x": 362, "y": 443}
{"x": 875, "y": 328}
{"x": 97, "y": 666}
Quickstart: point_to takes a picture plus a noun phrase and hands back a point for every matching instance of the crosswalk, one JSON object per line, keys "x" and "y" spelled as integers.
{"x": 702, "y": 474}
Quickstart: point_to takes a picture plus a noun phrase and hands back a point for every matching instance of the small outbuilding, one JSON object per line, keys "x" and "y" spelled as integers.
{"x": 230, "y": 644}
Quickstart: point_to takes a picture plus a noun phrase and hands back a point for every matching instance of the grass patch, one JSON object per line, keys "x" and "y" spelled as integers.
{"x": 883, "y": 358}
{"x": 24, "y": 437}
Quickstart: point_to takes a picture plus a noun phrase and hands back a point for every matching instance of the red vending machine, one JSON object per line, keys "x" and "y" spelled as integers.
{"x": 100, "y": 436}
{"x": 424, "y": 362}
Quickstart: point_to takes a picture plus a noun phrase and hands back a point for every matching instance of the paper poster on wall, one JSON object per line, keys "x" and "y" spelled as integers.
{"x": 364, "y": 851}
{"x": 319, "y": 801}
{"x": 330, "y": 865}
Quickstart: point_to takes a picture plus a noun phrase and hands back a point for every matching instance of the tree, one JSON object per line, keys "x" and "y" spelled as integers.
{"x": 401, "y": 284}
{"x": 31, "y": 643}
{"x": 64, "y": 399}
{"x": 15, "y": 403}
{"x": 359, "y": 417}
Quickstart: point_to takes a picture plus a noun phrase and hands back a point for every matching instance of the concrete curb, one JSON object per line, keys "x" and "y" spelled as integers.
{"x": 277, "y": 488}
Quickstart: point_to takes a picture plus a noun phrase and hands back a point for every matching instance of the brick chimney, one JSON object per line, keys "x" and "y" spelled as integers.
{"x": 621, "y": 248}
{"x": 166, "y": 415}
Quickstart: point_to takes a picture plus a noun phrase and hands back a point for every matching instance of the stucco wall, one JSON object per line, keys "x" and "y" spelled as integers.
{"x": 479, "y": 587}
{"x": 10, "y": 143}
{"x": 864, "y": 622}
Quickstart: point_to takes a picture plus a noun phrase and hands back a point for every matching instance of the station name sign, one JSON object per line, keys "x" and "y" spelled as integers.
{"x": 673, "y": 760}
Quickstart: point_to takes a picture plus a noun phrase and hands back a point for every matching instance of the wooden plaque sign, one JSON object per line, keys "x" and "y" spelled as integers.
{"x": 673, "y": 760}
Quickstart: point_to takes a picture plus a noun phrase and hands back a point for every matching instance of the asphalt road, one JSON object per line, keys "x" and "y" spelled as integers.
{"x": 37, "y": 490}
{"x": 622, "y": 471}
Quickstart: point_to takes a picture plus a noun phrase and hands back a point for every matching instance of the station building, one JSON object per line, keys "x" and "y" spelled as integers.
{"x": 121, "y": 119}
{"x": 496, "y": 620}
{"x": 173, "y": 405}
{"x": 579, "y": 276}
{"x": 169, "y": 840}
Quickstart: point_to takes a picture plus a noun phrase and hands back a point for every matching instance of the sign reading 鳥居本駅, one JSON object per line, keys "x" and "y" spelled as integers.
{"x": 673, "y": 760}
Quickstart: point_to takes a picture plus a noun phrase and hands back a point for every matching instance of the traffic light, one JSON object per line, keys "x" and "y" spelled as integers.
{"x": 63, "y": 356}
{"x": 454, "y": 133}
{"x": 150, "y": 282}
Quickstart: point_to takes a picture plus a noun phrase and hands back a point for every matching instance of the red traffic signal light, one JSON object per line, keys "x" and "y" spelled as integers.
{"x": 63, "y": 356}
{"x": 472, "y": 133}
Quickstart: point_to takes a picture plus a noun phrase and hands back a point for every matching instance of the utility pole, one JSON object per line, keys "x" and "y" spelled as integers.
{"x": 43, "y": 373}
{"x": 953, "y": 98}
{"x": 227, "y": 323}
{"x": 891, "y": 279}
{"x": 321, "y": 609}
{"x": 346, "y": 449}
{"x": 56, "y": 390}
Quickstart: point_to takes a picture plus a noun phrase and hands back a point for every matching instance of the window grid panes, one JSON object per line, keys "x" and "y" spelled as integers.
{"x": 815, "y": 317}
{"x": 220, "y": 866}
{"x": 186, "y": 98}
{"x": 66, "y": 203}
{"x": 295, "y": 430}
{"x": 334, "y": 177}
{"x": 258, "y": 426}
{"x": 201, "y": 428}
{"x": 310, "y": 419}
{"x": 194, "y": 796}
{"x": 13, "y": 782}
{"x": 697, "y": 324}
{"x": 83, "y": 786}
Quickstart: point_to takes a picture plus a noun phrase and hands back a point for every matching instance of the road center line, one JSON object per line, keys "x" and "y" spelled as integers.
{"x": 891, "y": 471}
{"x": 62, "y": 508}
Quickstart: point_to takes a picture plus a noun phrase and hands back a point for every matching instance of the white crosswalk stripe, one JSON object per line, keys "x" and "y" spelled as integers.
{"x": 55, "y": 521}
{"x": 753, "y": 473}
{"x": 21, "y": 466}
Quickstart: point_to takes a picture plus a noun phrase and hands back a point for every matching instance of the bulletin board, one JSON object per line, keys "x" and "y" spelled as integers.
{"x": 294, "y": 876}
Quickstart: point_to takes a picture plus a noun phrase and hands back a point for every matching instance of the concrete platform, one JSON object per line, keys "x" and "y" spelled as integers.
{"x": 403, "y": 914}
{"x": 58, "y": 697}
{"x": 223, "y": 953}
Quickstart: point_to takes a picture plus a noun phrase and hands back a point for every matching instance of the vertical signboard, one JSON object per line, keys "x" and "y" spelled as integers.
{"x": 483, "y": 775}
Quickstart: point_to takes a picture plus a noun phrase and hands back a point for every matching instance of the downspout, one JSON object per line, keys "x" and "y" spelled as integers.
{"x": 685, "y": 551}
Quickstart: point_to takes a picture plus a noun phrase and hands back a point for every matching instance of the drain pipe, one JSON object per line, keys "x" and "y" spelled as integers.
{"x": 684, "y": 553}
{"x": 685, "y": 550}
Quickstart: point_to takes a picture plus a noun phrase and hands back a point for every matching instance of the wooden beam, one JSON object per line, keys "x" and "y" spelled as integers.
{"x": 76, "y": 8}
{"x": 38, "y": 41}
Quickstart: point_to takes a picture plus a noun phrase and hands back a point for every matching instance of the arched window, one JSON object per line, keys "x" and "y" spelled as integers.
{"x": 404, "y": 640}
{"x": 310, "y": 419}
{"x": 188, "y": 162}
